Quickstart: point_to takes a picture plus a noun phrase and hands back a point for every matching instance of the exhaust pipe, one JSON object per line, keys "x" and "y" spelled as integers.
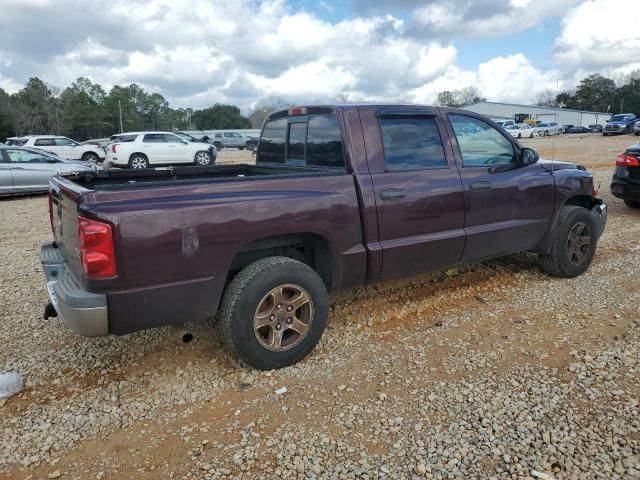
{"x": 183, "y": 334}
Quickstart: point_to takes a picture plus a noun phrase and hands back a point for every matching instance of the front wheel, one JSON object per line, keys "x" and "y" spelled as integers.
{"x": 202, "y": 158}
{"x": 90, "y": 157}
{"x": 632, "y": 203}
{"x": 274, "y": 312}
{"x": 573, "y": 243}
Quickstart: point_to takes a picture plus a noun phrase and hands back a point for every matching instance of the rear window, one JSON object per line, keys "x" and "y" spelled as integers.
{"x": 315, "y": 140}
{"x": 16, "y": 142}
{"x": 272, "y": 142}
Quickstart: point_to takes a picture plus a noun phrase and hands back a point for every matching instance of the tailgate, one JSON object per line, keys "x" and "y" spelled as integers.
{"x": 65, "y": 196}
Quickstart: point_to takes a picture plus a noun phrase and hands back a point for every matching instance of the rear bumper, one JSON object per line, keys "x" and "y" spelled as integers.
{"x": 84, "y": 312}
{"x": 624, "y": 187}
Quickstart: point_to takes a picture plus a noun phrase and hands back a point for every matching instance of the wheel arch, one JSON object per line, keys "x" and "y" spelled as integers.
{"x": 311, "y": 249}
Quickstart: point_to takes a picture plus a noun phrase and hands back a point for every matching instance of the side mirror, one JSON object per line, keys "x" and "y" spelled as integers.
{"x": 528, "y": 156}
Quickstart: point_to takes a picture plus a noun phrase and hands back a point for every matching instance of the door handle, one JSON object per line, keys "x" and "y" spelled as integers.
{"x": 392, "y": 193}
{"x": 480, "y": 185}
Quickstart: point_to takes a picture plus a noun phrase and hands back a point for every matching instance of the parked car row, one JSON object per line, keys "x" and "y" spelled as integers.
{"x": 28, "y": 170}
{"x": 63, "y": 147}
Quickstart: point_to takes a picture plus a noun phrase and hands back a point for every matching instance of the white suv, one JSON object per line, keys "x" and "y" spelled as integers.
{"x": 63, "y": 147}
{"x": 146, "y": 149}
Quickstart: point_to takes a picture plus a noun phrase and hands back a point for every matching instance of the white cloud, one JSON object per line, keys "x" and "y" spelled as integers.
{"x": 486, "y": 18}
{"x": 600, "y": 34}
{"x": 238, "y": 51}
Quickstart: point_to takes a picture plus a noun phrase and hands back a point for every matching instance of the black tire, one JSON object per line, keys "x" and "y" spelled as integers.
{"x": 632, "y": 203}
{"x": 90, "y": 157}
{"x": 247, "y": 293}
{"x": 240, "y": 148}
{"x": 218, "y": 145}
{"x": 519, "y": 135}
{"x": 202, "y": 158}
{"x": 138, "y": 160}
{"x": 560, "y": 262}
{"x": 605, "y": 134}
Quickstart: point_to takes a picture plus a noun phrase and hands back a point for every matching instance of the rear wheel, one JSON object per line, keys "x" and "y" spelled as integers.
{"x": 632, "y": 203}
{"x": 573, "y": 243}
{"x": 138, "y": 160}
{"x": 274, "y": 312}
{"x": 202, "y": 158}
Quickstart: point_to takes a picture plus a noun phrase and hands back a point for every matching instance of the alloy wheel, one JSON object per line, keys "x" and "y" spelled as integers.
{"x": 283, "y": 317}
{"x": 578, "y": 243}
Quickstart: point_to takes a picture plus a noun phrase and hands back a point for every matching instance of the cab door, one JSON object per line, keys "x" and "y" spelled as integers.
{"x": 508, "y": 205}
{"x": 417, "y": 189}
{"x": 178, "y": 150}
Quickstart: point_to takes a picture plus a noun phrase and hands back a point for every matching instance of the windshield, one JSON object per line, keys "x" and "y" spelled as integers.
{"x": 187, "y": 137}
{"x": 618, "y": 118}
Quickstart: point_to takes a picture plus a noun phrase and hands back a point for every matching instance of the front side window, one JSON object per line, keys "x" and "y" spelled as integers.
{"x": 25, "y": 156}
{"x": 154, "y": 138}
{"x": 411, "y": 143}
{"x": 480, "y": 144}
{"x": 171, "y": 138}
{"x": 44, "y": 142}
{"x": 64, "y": 142}
{"x": 271, "y": 148}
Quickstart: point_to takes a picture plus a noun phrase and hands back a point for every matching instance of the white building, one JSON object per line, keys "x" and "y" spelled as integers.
{"x": 563, "y": 116}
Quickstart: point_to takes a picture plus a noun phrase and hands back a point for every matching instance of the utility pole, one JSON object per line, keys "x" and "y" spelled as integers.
{"x": 120, "y": 110}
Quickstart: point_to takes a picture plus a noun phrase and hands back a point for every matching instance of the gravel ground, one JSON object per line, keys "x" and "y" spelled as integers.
{"x": 492, "y": 371}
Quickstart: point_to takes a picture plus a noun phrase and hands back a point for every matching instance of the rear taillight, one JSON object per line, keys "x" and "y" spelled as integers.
{"x": 626, "y": 160}
{"x": 114, "y": 147}
{"x": 51, "y": 211}
{"x": 96, "y": 248}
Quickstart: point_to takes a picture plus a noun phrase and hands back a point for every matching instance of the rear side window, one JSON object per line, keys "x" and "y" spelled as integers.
{"x": 45, "y": 142}
{"x": 272, "y": 142}
{"x": 154, "y": 138}
{"x": 16, "y": 142}
{"x": 411, "y": 143}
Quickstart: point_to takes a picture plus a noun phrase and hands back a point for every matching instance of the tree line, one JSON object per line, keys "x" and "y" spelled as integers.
{"x": 85, "y": 110}
{"x": 594, "y": 93}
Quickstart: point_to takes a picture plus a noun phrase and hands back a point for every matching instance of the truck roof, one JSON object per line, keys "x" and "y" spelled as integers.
{"x": 332, "y": 107}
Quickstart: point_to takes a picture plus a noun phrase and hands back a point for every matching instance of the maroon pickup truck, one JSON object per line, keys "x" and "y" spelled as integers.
{"x": 340, "y": 196}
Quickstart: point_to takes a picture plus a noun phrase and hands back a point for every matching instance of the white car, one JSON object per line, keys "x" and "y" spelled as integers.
{"x": 148, "y": 149}
{"x": 521, "y": 130}
{"x": 546, "y": 129}
{"x": 505, "y": 123}
{"x": 63, "y": 147}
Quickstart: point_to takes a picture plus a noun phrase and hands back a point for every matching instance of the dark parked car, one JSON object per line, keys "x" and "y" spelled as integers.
{"x": 566, "y": 127}
{"x": 626, "y": 178}
{"x": 577, "y": 130}
{"x": 595, "y": 128}
{"x": 28, "y": 170}
{"x": 339, "y": 196}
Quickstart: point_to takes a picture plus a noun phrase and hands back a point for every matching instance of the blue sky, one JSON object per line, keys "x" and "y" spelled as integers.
{"x": 248, "y": 51}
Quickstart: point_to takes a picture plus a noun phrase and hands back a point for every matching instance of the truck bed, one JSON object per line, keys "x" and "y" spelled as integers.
{"x": 117, "y": 179}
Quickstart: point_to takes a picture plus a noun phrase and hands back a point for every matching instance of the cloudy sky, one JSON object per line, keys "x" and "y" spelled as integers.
{"x": 239, "y": 51}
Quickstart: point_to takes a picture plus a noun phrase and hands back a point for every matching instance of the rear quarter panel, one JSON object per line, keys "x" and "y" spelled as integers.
{"x": 175, "y": 245}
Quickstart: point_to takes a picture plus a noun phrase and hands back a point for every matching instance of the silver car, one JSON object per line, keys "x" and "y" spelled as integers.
{"x": 27, "y": 170}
